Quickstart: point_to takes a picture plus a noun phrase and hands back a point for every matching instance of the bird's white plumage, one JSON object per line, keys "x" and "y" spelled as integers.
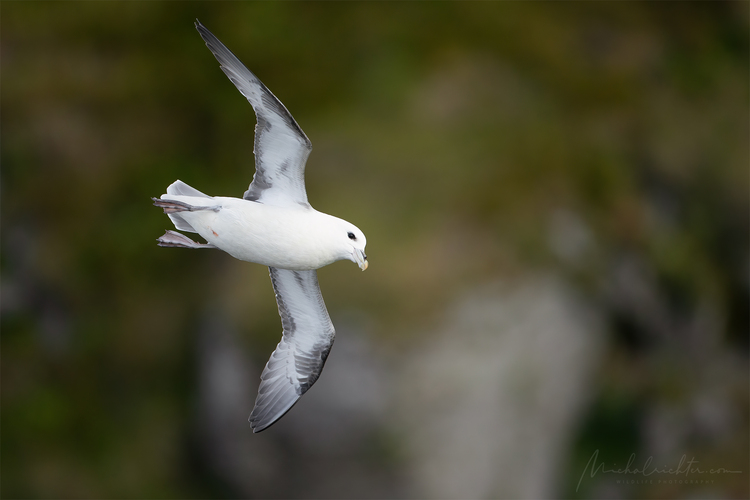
{"x": 286, "y": 237}
{"x": 274, "y": 225}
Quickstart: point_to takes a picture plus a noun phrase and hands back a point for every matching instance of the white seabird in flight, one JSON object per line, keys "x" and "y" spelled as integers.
{"x": 272, "y": 224}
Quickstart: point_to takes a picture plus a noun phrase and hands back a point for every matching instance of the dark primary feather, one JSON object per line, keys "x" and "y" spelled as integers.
{"x": 281, "y": 147}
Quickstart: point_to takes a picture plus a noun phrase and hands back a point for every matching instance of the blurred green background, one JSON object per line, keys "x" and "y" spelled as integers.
{"x": 555, "y": 197}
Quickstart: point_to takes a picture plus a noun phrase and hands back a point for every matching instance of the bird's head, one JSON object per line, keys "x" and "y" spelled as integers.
{"x": 357, "y": 242}
{"x": 345, "y": 241}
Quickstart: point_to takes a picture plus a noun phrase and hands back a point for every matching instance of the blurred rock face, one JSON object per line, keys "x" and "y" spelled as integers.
{"x": 483, "y": 408}
{"x": 488, "y": 401}
{"x": 227, "y": 381}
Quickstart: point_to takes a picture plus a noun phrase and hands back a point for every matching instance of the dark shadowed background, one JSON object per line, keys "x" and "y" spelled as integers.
{"x": 555, "y": 197}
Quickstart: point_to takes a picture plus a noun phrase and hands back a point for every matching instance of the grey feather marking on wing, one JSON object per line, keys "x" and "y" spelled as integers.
{"x": 281, "y": 147}
{"x": 299, "y": 358}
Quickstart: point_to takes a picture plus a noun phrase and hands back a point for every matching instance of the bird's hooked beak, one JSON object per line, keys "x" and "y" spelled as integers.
{"x": 360, "y": 258}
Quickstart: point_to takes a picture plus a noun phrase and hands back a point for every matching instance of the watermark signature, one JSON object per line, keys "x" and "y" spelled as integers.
{"x": 686, "y": 472}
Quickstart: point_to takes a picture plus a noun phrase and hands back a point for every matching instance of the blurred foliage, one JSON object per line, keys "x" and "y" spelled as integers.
{"x": 450, "y": 132}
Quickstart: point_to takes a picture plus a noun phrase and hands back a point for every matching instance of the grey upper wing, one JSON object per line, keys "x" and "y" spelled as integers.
{"x": 281, "y": 147}
{"x": 296, "y": 363}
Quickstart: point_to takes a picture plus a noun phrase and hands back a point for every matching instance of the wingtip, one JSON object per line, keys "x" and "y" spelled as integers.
{"x": 257, "y": 429}
{"x": 260, "y": 419}
{"x": 201, "y": 29}
{"x": 254, "y": 424}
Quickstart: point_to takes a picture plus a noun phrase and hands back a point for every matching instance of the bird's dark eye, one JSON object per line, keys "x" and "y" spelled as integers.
{"x": 351, "y": 236}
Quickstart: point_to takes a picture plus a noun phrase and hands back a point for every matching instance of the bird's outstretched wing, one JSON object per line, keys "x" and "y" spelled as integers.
{"x": 296, "y": 363}
{"x": 281, "y": 147}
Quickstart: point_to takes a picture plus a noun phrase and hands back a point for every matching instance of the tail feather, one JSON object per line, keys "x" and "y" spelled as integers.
{"x": 180, "y": 223}
{"x": 182, "y": 198}
{"x": 180, "y": 188}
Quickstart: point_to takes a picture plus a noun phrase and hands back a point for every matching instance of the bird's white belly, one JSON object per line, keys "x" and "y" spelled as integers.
{"x": 254, "y": 232}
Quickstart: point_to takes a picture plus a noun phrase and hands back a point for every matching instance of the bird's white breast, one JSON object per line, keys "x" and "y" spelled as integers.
{"x": 283, "y": 237}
